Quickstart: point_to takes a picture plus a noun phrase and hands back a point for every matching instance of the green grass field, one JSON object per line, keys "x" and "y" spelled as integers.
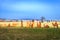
{"x": 29, "y": 34}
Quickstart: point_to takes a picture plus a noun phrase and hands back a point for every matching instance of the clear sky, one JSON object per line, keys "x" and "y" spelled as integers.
{"x": 33, "y": 9}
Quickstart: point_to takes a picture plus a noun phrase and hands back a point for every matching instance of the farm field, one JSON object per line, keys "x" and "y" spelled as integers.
{"x": 29, "y": 33}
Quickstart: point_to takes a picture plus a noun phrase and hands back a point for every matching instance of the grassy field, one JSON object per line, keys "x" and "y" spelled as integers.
{"x": 29, "y": 34}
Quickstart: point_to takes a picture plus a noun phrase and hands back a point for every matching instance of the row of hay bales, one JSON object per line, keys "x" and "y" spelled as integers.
{"x": 31, "y": 24}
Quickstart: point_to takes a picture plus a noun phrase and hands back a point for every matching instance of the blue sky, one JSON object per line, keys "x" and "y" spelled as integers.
{"x": 33, "y": 9}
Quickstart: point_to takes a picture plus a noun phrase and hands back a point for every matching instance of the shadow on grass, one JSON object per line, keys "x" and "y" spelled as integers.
{"x": 29, "y": 34}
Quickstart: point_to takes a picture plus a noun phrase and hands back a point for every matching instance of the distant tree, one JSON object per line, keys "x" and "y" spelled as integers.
{"x": 42, "y": 19}
{"x": 2, "y": 19}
